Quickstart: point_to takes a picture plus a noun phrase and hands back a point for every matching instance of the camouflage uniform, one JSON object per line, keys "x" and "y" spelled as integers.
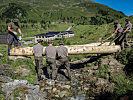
{"x": 11, "y": 36}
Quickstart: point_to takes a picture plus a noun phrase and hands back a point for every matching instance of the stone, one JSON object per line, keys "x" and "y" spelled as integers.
{"x": 86, "y": 89}
{"x": 51, "y": 82}
{"x": 5, "y": 79}
{"x": 48, "y": 88}
{"x": 54, "y": 89}
{"x": 14, "y": 58}
{"x": 5, "y": 70}
{"x": 42, "y": 89}
{"x": 42, "y": 85}
{"x": 63, "y": 94}
{"x": 66, "y": 86}
{"x": 72, "y": 98}
{"x": 23, "y": 71}
{"x": 101, "y": 81}
{"x": 57, "y": 96}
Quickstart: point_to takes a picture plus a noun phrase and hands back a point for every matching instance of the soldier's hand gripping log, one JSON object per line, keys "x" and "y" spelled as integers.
{"x": 103, "y": 41}
{"x": 115, "y": 39}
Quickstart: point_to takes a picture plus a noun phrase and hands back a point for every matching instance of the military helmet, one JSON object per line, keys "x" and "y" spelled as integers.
{"x": 16, "y": 20}
{"x": 115, "y": 22}
{"x": 127, "y": 19}
{"x": 61, "y": 42}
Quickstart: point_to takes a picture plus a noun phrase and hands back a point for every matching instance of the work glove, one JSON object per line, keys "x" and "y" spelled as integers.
{"x": 15, "y": 33}
{"x": 20, "y": 38}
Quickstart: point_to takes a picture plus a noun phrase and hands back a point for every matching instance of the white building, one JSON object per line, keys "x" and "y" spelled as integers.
{"x": 54, "y": 35}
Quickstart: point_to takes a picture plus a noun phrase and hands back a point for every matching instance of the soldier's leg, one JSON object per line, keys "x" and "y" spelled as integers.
{"x": 15, "y": 42}
{"x": 122, "y": 41}
{"x": 54, "y": 69}
{"x": 48, "y": 65}
{"x": 117, "y": 40}
{"x": 40, "y": 71}
{"x": 10, "y": 41}
{"x": 126, "y": 39}
{"x": 36, "y": 66}
{"x": 67, "y": 65}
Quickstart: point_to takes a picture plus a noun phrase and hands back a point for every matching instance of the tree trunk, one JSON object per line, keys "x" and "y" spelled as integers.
{"x": 72, "y": 49}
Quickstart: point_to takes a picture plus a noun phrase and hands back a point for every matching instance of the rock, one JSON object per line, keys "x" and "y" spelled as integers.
{"x": 5, "y": 79}
{"x": 42, "y": 89}
{"x": 80, "y": 98}
{"x": 72, "y": 98}
{"x": 63, "y": 94}
{"x": 86, "y": 89}
{"x": 101, "y": 82}
{"x": 50, "y": 82}
{"x": 1, "y": 55}
{"x": 23, "y": 71}
{"x": 42, "y": 84}
{"x": 14, "y": 58}
{"x": 54, "y": 89}
{"x": 6, "y": 70}
{"x": 66, "y": 86}
{"x": 48, "y": 88}
{"x": 32, "y": 92}
{"x": 57, "y": 96}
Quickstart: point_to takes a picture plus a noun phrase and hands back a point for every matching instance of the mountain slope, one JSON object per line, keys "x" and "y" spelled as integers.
{"x": 36, "y": 16}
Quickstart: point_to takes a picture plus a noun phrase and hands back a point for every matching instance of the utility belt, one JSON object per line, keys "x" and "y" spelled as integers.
{"x": 49, "y": 58}
{"x": 38, "y": 57}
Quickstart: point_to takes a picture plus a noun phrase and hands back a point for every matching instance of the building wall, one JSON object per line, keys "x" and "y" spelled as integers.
{"x": 66, "y": 35}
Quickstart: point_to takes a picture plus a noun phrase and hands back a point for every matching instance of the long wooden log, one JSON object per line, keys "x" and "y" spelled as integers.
{"x": 72, "y": 50}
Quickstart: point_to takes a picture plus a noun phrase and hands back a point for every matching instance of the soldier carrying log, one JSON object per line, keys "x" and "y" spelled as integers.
{"x": 126, "y": 32}
{"x": 50, "y": 52}
{"x": 13, "y": 27}
{"x": 38, "y": 52}
{"x": 63, "y": 58}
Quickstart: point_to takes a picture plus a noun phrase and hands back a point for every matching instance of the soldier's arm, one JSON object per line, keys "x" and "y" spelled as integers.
{"x": 43, "y": 53}
{"x": 116, "y": 31}
{"x": 33, "y": 52}
{"x": 9, "y": 29}
{"x": 67, "y": 52}
{"x": 126, "y": 30}
{"x": 58, "y": 54}
{"x": 19, "y": 30}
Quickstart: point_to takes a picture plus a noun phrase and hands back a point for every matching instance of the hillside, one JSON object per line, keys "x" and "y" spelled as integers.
{"x": 38, "y": 15}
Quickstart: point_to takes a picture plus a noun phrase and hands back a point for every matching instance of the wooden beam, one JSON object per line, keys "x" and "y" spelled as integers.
{"x": 72, "y": 49}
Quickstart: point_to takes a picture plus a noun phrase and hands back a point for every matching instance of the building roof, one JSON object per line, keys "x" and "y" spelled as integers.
{"x": 55, "y": 33}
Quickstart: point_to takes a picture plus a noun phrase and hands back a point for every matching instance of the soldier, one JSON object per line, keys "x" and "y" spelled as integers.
{"x": 126, "y": 32}
{"x": 38, "y": 52}
{"x": 13, "y": 27}
{"x": 63, "y": 58}
{"x": 50, "y": 53}
{"x": 118, "y": 31}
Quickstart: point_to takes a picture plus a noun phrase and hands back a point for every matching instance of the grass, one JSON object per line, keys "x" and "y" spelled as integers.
{"x": 27, "y": 63}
